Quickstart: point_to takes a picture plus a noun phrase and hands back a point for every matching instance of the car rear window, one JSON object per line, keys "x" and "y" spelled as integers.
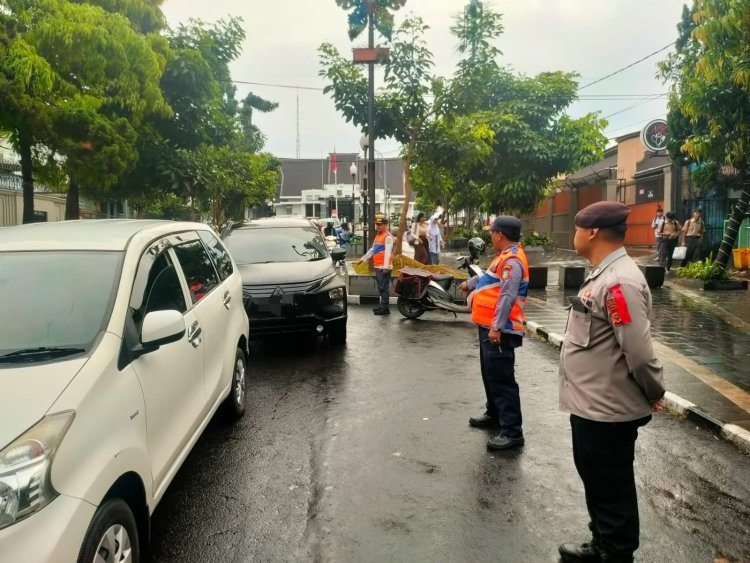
{"x": 284, "y": 244}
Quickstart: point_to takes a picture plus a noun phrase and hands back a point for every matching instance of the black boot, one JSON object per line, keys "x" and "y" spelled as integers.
{"x": 382, "y": 311}
{"x": 484, "y": 421}
{"x": 583, "y": 553}
{"x": 503, "y": 442}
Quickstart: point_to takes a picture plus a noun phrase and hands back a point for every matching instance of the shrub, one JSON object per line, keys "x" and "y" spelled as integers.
{"x": 535, "y": 239}
{"x": 464, "y": 232}
{"x": 706, "y": 270}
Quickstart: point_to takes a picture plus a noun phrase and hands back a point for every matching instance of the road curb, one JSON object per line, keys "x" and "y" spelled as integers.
{"x": 674, "y": 403}
{"x": 368, "y": 300}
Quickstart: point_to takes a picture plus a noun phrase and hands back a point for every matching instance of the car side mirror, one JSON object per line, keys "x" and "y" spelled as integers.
{"x": 160, "y": 328}
{"x": 338, "y": 254}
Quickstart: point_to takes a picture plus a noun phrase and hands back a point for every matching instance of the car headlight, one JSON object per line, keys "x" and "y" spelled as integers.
{"x": 336, "y": 294}
{"x": 337, "y": 297}
{"x": 25, "y": 465}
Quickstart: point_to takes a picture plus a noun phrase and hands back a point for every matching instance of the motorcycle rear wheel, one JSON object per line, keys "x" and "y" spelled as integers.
{"x": 410, "y": 309}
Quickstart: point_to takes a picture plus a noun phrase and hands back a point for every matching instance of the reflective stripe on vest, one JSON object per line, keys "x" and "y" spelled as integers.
{"x": 378, "y": 256}
{"x": 485, "y": 297}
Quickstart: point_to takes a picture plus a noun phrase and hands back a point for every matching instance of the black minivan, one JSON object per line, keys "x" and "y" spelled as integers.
{"x": 291, "y": 282}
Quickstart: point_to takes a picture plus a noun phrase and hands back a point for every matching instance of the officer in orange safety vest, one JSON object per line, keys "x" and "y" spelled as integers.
{"x": 497, "y": 300}
{"x": 382, "y": 259}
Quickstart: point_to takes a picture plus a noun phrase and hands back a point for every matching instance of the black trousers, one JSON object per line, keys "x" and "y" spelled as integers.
{"x": 499, "y": 378}
{"x": 666, "y": 250}
{"x": 694, "y": 250}
{"x": 383, "y": 279}
{"x": 603, "y": 453}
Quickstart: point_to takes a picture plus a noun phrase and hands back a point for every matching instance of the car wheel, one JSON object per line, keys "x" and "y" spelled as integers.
{"x": 410, "y": 309}
{"x": 337, "y": 333}
{"x": 234, "y": 404}
{"x": 112, "y": 536}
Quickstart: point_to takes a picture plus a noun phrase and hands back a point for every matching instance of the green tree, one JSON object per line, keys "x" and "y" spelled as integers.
{"x": 105, "y": 80}
{"x": 26, "y": 84}
{"x": 252, "y": 139}
{"x": 402, "y": 107}
{"x": 710, "y": 94}
{"x": 232, "y": 180}
{"x": 531, "y": 138}
{"x": 382, "y": 15}
{"x": 207, "y": 124}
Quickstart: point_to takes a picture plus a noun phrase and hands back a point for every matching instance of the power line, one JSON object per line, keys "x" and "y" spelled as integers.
{"x": 632, "y": 106}
{"x": 276, "y": 85}
{"x": 627, "y": 67}
{"x": 629, "y": 125}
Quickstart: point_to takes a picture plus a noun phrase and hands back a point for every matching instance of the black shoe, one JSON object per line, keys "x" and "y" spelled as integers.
{"x": 484, "y": 421}
{"x": 502, "y": 442}
{"x": 382, "y": 311}
{"x": 584, "y": 553}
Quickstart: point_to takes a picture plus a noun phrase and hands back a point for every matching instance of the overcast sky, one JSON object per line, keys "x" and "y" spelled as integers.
{"x": 588, "y": 37}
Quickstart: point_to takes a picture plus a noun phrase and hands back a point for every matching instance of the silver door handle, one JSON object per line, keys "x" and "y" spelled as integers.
{"x": 227, "y": 299}
{"x": 194, "y": 334}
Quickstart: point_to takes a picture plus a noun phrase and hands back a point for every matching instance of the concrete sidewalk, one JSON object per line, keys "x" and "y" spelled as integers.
{"x": 709, "y": 358}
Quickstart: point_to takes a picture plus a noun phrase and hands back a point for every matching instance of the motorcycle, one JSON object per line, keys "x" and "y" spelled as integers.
{"x": 419, "y": 290}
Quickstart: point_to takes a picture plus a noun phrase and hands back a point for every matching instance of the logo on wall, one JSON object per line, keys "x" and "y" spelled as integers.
{"x": 654, "y": 136}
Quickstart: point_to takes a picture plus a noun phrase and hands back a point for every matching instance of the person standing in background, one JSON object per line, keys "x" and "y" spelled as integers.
{"x": 692, "y": 233}
{"x": 656, "y": 225}
{"x": 382, "y": 259}
{"x": 670, "y": 234}
{"x": 419, "y": 236}
{"x": 434, "y": 235}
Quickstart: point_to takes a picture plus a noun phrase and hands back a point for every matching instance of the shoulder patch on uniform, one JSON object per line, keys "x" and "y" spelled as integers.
{"x": 505, "y": 274}
{"x": 617, "y": 306}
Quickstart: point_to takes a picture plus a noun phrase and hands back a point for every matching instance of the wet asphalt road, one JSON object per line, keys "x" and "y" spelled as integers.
{"x": 364, "y": 453}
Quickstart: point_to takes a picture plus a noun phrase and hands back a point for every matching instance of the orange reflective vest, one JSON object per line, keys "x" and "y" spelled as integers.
{"x": 485, "y": 297}
{"x": 381, "y": 252}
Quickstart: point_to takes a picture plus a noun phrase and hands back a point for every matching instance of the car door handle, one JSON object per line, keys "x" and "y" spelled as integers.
{"x": 194, "y": 334}
{"x": 227, "y": 299}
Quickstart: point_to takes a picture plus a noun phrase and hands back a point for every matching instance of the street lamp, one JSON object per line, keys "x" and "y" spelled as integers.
{"x": 353, "y": 172}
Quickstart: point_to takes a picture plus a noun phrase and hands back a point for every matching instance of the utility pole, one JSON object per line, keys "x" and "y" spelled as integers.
{"x": 371, "y": 127}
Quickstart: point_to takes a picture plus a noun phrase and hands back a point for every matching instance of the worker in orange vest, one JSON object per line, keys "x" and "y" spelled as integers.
{"x": 382, "y": 260}
{"x": 497, "y": 300}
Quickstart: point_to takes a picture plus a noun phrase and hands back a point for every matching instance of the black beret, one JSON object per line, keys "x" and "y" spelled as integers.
{"x": 602, "y": 214}
{"x": 507, "y": 225}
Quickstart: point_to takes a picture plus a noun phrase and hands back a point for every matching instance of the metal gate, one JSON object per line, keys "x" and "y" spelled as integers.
{"x": 714, "y": 212}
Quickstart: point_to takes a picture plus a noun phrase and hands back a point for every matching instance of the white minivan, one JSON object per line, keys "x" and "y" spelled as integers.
{"x": 119, "y": 340}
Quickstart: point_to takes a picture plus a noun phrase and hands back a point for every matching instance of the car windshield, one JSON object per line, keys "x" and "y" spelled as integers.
{"x": 283, "y": 244}
{"x": 54, "y": 303}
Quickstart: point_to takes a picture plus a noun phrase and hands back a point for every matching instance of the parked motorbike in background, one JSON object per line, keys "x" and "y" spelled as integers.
{"x": 419, "y": 290}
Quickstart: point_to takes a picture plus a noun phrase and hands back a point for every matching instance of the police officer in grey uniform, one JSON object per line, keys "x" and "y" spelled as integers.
{"x": 610, "y": 382}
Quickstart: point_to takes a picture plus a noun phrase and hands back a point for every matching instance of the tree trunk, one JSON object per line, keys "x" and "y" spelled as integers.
{"x": 407, "y": 195}
{"x": 72, "y": 203}
{"x": 27, "y": 176}
{"x": 735, "y": 219}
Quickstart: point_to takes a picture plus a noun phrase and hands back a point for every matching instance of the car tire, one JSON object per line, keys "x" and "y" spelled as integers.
{"x": 337, "y": 333}
{"x": 111, "y": 534}
{"x": 234, "y": 405}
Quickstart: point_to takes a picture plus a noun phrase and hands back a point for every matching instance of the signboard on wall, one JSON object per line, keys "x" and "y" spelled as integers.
{"x": 650, "y": 190}
{"x": 655, "y": 135}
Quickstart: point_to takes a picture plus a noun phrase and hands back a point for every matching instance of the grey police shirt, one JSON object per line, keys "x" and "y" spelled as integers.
{"x": 608, "y": 370}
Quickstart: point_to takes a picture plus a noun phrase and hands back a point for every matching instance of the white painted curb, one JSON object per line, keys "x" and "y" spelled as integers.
{"x": 357, "y": 300}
